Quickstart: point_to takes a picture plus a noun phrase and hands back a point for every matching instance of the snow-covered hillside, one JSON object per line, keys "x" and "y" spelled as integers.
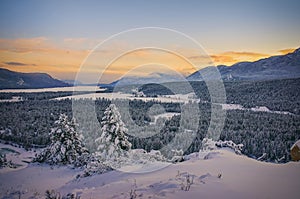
{"x": 223, "y": 174}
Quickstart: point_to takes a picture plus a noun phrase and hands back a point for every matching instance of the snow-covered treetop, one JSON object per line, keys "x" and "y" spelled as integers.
{"x": 66, "y": 143}
{"x": 113, "y": 142}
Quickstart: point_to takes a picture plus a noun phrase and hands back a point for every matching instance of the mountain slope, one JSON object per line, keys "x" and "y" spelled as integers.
{"x": 275, "y": 67}
{"x": 11, "y": 80}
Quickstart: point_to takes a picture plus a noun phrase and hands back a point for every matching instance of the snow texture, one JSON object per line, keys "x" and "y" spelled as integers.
{"x": 225, "y": 175}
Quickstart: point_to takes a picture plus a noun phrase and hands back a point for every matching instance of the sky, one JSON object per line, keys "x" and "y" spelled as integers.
{"x": 57, "y": 37}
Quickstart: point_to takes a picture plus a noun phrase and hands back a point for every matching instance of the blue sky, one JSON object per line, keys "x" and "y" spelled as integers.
{"x": 219, "y": 25}
{"x": 208, "y": 21}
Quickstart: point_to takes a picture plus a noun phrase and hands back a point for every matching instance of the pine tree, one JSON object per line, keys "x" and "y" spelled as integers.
{"x": 66, "y": 143}
{"x": 113, "y": 143}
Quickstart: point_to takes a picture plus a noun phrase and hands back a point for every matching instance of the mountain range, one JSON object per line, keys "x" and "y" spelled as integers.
{"x": 14, "y": 80}
{"x": 151, "y": 78}
{"x": 275, "y": 67}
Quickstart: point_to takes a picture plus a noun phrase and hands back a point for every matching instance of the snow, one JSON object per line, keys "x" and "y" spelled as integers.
{"x": 94, "y": 96}
{"x": 167, "y": 115}
{"x": 18, "y": 156}
{"x": 118, "y": 95}
{"x": 144, "y": 168}
{"x": 256, "y": 109}
{"x": 14, "y": 99}
{"x": 178, "y": 98}
{"x": 34, "y": 180}
{"x": 261, "y": 108}
{"x": 184, "y": 97}
{"x": 232, "y": 107}
{"x": 241, "y": 177}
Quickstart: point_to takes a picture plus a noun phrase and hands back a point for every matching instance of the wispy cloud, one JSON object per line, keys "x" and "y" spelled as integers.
{"x": 11, "y": 63}
{"x": 75, "y": 40}
{"x": 48, "y": 56}
{"x": 24, "y": 45}
{"x": 232, "y": 57}
{"x": 287, "y": 50}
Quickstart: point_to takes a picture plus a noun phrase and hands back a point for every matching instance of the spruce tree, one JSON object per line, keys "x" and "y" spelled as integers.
{"x": 66, "y": 145}
{"x": 113, "y": 143}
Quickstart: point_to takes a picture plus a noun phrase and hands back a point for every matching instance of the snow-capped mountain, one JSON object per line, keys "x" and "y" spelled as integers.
{"x": 275, "y": 67}
{"x": 151, "y": 78}
{"x": 72, "y": 82}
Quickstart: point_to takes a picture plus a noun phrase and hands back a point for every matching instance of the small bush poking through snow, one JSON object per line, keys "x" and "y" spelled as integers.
{"x": 3, "y": 161}
{"x": 140, "y": 156}
{"x": 155, "y": 155}
{"x": 51, "y": 194}
{"x": 230, "y": 144}
{"x": 185, "y": 179}
{"x": 208, "y": 144}
{"x": 220, "y": 175}
{"x": 66, "y": 145}
{"x": 132, "y": 193}
{"x": 94, "y": 166}
{"x": 177, "y": 156}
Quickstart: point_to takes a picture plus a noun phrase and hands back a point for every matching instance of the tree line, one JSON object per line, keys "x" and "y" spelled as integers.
{"x": 28, "y": 123}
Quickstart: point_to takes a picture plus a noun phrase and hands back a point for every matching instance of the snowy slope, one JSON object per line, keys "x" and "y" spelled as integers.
{"x": 241, "y": 177}
{"x": 18, "y": 156}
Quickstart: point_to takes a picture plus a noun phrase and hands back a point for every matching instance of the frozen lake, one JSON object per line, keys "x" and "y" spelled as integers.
{"x": 57, "y": 89}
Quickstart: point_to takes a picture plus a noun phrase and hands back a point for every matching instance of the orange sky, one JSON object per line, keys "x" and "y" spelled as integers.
{"x": 63, "y": 59}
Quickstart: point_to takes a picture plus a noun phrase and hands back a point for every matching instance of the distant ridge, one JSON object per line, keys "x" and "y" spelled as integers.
{"x": 151, "y": 78}
{"x": 15, "y": 80}
{"x": 275, "y": 67}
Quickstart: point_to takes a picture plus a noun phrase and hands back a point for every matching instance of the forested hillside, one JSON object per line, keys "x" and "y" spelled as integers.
{"x": 28, "y": 123}
{"x": 279, "y": 95}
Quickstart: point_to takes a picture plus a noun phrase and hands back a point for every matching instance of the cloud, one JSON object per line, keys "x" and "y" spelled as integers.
{"x": 224, "y": 59}
{"x": 18, "y": 64}
{"x": 75, "y": 40}
{"x": 248, "y": 54}
{"x": 24, "y": 45}
{"x": 36, "y": 45}
{"x": 199, "y": 57}
{"x": 287, "y": 50}
{"x": 66, "y": 56}
{"x": 232, "y": 57}
{"x": 48, "y": 56}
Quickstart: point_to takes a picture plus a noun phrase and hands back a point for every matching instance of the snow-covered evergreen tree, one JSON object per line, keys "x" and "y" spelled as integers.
{"x": 66, "y": 145}
{"x": 93, "y": 166}
{"x": 113, "y": 143}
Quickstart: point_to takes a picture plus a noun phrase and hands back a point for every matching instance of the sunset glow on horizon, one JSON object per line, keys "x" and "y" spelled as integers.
{"x": 56, "y": 37}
